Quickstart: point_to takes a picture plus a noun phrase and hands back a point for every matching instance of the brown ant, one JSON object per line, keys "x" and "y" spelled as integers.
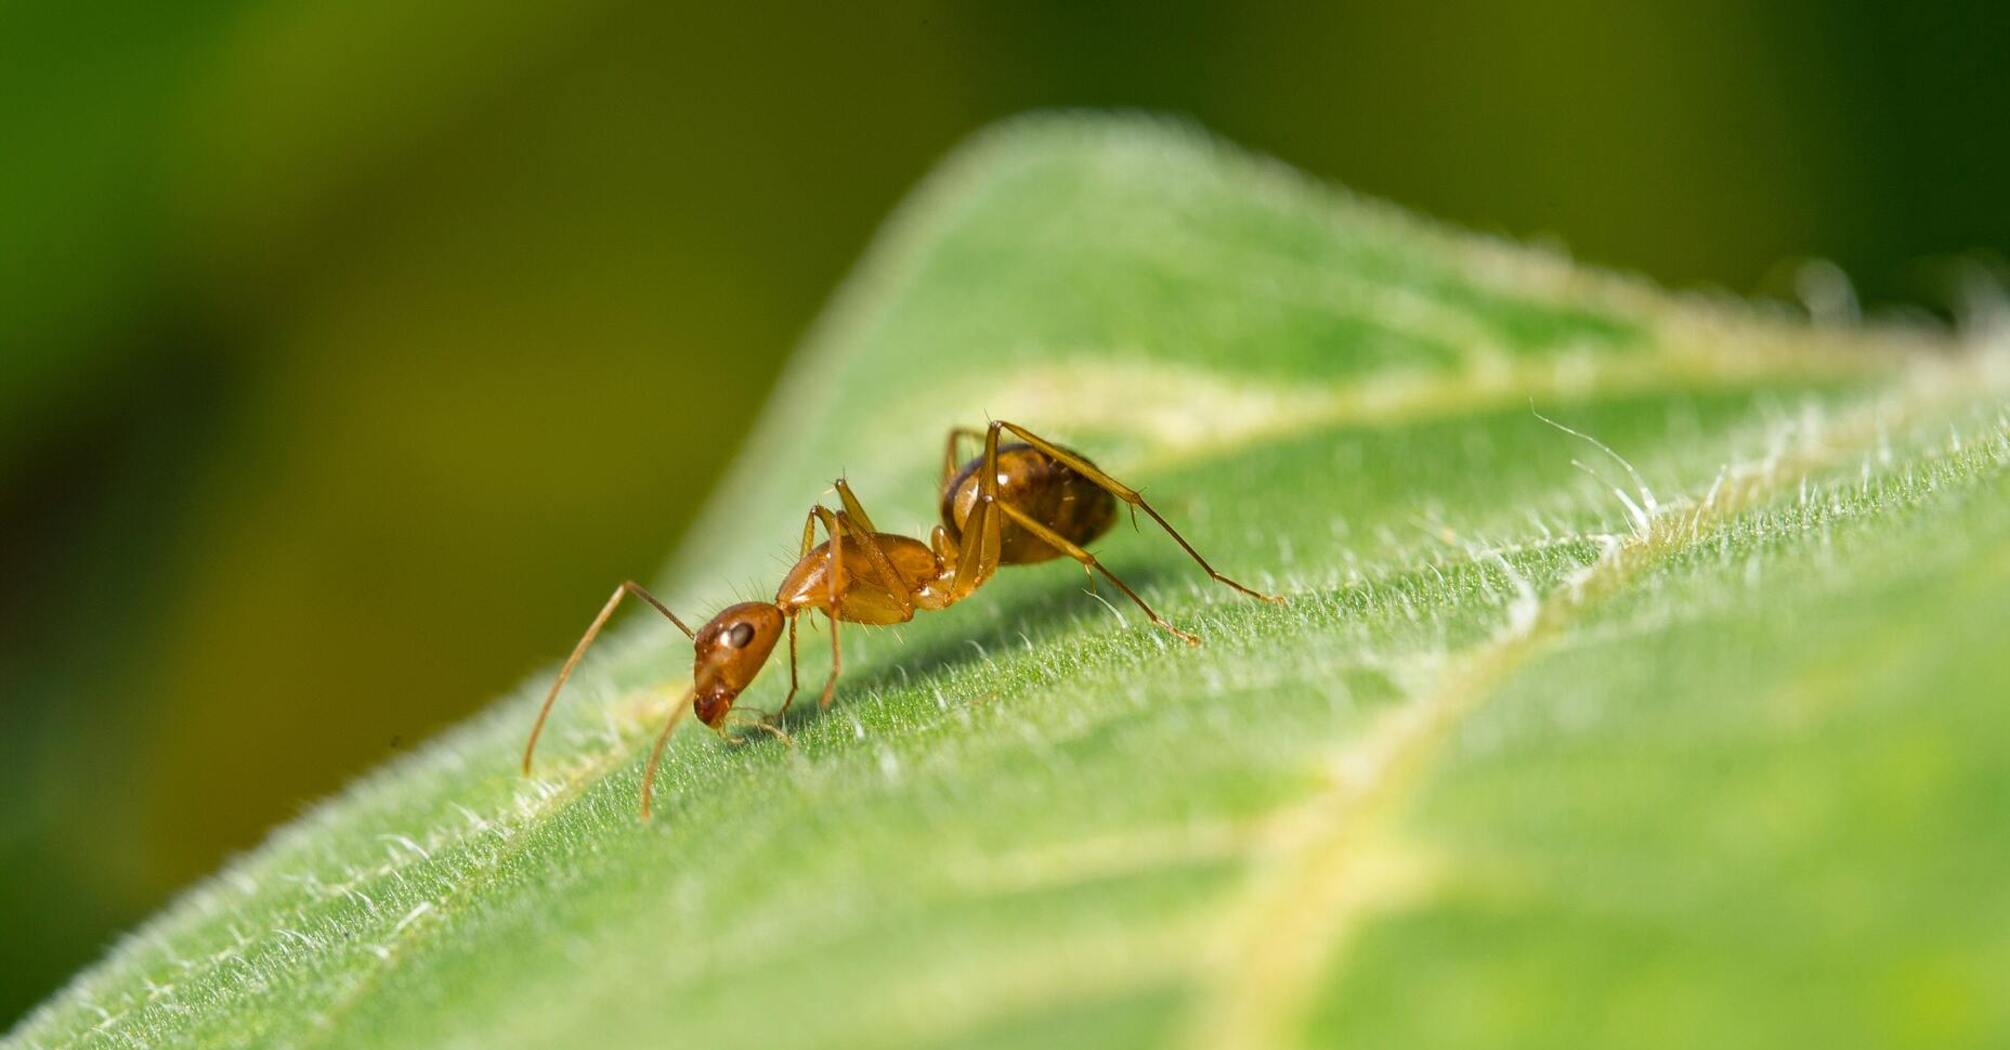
{"x": 1015, "y": 504}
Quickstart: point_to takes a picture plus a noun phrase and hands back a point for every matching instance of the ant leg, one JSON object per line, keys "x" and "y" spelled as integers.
{"x": 809, "y": 532}
{"x": 775, "y": 717}
{"x": 760, "y": 724}
{"x": 898, "y": 586}
{"x": 951, "y": 462}
{"x": 834, "y": 576}
{"x": 663, "y": 739}
{"x": 930, "y": 596}
{"x": 809, "y": 541}
{"x": 978, "y": 558}
{"x": 607, "y": 612}
{"x": 943, "y": 547}
{"x": 837, "y": 663}
{"x": 852, "y": 506}
{"x": 867, "y": 537}
{"x": 1025, "y": 521}
{"x": 1128, "y": 495}
{"x": 794, "y": 684}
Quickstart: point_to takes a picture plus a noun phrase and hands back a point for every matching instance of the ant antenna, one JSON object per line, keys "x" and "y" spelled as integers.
{"x": 579, "y": 651}
{"x": 662, "y": 739}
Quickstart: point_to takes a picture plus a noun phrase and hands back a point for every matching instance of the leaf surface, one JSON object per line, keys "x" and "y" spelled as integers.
{"x": 1640, "y": 683}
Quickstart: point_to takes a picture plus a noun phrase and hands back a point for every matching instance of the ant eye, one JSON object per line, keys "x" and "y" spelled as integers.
{"x": 740, "y": 635}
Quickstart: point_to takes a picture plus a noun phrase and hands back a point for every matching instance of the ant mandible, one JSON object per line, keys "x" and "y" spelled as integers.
{"x": 1015, "y": 504}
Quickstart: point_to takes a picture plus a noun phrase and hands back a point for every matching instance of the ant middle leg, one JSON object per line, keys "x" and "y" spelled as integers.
{"x": 981, "y": 542}
{"x": 1103, "y": 480}
{"x": 834, "y": 577}
{"x": 1075, "y": 551}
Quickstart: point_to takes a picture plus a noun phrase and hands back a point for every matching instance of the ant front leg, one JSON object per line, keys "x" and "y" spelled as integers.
{"x": 760, "y": 724}
{"x": 775, "y": 717}
{"x": 809, "y": 543}
{"x": 1124, "y": 492}
{"x": 795, "y": 683}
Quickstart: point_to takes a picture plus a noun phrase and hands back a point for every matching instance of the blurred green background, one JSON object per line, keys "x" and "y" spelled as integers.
{"x": 350, "y": 352}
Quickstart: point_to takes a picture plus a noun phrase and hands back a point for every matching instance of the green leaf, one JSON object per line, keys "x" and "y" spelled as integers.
{"x": 1641, "y": 683}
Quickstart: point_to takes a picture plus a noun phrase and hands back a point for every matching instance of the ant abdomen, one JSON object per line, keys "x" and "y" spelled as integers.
{"x": 1044, "y": 489}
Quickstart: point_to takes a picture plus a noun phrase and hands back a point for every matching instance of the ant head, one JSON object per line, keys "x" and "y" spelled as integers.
{"x": 730, "y": 651}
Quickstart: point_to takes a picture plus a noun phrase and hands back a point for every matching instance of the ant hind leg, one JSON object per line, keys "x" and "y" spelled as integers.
{"x": 1129, "y": 495}
{"x": 1075, "y": 551}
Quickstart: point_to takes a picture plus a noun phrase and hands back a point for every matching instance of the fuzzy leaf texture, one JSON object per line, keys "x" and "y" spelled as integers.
{"x": 1641, "y": 683}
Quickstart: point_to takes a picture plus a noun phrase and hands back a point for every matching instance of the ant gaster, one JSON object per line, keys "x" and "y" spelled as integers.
{"x": 1015, "y": 504}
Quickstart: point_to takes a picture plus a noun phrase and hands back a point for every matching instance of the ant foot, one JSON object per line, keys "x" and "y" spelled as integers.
{"x": 776, "y": 724}
{"x": 764, "y": 725}
{"x": 777, "y": 732}
{"x": 1274, "y": 599}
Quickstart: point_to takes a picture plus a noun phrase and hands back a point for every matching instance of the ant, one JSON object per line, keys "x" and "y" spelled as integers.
{"x": 1018, "y": 503}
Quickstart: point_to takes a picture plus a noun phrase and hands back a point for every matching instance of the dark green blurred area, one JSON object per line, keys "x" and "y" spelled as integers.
{"x": 349, "y": 353}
